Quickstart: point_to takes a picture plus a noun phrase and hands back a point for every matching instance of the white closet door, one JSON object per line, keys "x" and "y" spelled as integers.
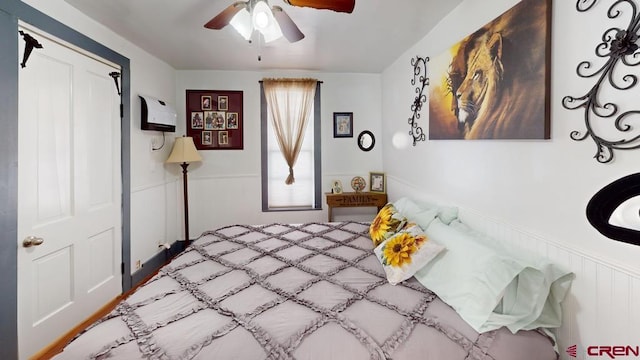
{"x": 69, "y": 192}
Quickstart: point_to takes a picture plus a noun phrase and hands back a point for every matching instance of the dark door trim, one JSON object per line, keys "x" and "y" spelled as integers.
{"x": 11, "y": 12}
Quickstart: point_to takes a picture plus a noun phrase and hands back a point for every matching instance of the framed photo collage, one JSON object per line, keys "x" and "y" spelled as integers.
{"x": 214, "y": 119}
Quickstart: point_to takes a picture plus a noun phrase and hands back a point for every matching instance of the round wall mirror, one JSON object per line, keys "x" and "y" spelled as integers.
{"x": 366, "y": 140}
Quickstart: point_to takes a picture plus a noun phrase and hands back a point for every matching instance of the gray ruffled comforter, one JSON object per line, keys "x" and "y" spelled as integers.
{"x": 313, "y": 291}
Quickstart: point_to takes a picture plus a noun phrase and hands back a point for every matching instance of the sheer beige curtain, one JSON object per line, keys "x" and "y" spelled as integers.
{"x": 290, "y": 102}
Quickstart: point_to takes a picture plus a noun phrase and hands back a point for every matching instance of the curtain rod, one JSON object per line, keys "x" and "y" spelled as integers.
{"x": 319, "y": 81}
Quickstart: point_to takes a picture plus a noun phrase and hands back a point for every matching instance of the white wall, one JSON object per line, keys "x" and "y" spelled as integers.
{"x": 541, "y": 186}
{"x": 225, "y": 188}
{"x": 532, "y": 193}
{"x": 153, "y": 199}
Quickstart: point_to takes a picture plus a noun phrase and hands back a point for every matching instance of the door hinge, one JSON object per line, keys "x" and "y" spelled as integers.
{"x": 121, "y": 111}
{"x": 122, "y": 268}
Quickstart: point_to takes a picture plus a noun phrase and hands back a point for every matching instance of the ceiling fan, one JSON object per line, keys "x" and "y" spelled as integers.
{"x": 272, "y": 22}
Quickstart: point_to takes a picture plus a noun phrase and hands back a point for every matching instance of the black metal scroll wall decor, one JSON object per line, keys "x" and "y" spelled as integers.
{"x": 420, "y": 78}
{"x": 619, "y": 47}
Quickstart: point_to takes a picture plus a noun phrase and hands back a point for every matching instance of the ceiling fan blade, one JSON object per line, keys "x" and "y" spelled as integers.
{"x": 345, "y": 6}
{"x": 289, "y": 29}
{"x": 222, "y": 19}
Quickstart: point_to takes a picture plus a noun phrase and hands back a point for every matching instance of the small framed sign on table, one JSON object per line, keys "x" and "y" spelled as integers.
{"x": 377, "y": 182}
{"x": 214, "y": 119}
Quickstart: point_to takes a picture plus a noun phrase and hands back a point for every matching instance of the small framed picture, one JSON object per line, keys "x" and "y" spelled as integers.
{"x": 219, "y": 120}
{"x": 223, "y": 138}
{"x": 206, "y": 138}
{"x": 342, "y": 124}
{"x": 223, "y": 103}
{"x": 377, "y": 182}
{"x": 197, "y": 120}
{"x": 208, "y": 120}
{"x": 216, "y": 111}
{"x": 205, "y": 102}
{"x": 232, "y": 120}
{"x": 336, "y": 187}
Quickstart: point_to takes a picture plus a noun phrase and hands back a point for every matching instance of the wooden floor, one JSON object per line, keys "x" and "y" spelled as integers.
{"x": 57, "y": 346}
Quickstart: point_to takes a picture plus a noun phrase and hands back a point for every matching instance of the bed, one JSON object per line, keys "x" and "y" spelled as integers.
{"x": 291, "y": 291}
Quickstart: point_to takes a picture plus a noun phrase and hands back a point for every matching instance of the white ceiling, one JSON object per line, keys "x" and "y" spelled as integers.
{"x": 365, "y": 41}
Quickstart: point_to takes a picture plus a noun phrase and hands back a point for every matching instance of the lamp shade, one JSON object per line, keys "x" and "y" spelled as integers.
{"x": 243, "y": 24}
{"x": 264, "y": 21}
{"x": 184, "y": 151}
{"x": 261, "y": 15}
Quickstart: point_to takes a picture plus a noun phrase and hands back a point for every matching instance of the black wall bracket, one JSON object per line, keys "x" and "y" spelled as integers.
{"x": 30, "y": 44}
{"x": 115, "y": 75}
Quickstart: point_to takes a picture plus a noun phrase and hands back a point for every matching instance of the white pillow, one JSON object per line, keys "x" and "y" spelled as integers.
{"x": 420, "y": 211}
{"x": 406, "y": 252}
{"x": 489, "y": 288}
{"x": 386, "y": 223}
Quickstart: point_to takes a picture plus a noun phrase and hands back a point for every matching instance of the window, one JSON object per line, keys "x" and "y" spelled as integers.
{"x": 305, "y": 193}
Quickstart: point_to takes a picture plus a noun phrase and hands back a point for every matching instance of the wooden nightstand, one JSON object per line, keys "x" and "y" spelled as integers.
{"x": 355, "y": 199}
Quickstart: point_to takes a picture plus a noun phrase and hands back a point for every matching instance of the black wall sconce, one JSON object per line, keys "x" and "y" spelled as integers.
{"x": 619, "y": 47}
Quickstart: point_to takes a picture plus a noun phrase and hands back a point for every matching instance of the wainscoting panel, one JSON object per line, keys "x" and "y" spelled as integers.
{"x": 602, "y": 307}
{"x": 155, "y": 210}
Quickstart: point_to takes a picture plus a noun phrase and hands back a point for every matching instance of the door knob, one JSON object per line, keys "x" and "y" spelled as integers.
{"x": 32, "y": 241}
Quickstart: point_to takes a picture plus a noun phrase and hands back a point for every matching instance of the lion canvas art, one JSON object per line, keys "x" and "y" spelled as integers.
{"x": 494, "y": 83}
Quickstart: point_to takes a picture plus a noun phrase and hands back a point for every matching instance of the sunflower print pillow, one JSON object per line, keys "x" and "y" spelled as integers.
{"x": 386, "y": 223}
{"x": 406, "y": 252}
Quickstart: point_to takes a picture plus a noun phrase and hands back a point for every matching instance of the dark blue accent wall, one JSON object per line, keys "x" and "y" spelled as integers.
{"x": 8, "y": 186}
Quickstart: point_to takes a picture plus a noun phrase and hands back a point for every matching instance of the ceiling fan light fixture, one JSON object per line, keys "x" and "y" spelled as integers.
{"x": 243, "y": 24}
{"x": 263, "y": 21}
{"x": 271, "y": 33}
{"x": 249, "y": 15}
{"x": 262, "y": 16}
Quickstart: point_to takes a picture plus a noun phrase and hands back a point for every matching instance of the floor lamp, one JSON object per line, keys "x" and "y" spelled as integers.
{"x": 184, "y": 152}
